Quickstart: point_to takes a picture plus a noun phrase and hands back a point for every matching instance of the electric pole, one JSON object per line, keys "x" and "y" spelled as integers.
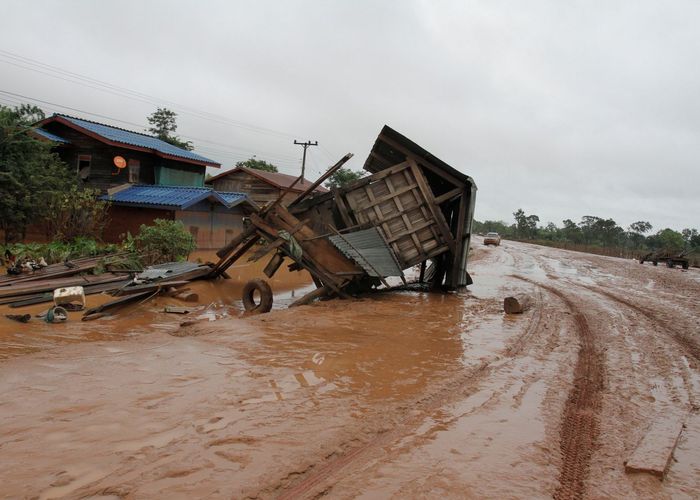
{"x": 304, "y": 145}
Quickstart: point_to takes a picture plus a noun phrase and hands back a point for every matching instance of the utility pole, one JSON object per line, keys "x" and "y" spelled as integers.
{"x": 304, "y": 145}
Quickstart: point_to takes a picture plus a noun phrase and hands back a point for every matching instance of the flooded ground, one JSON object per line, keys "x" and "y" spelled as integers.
{"x": 400, "y": 396}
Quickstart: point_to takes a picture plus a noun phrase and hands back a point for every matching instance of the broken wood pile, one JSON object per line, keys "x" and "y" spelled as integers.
{"x": 414, "y": 208}
{"x": 37, "y": 288}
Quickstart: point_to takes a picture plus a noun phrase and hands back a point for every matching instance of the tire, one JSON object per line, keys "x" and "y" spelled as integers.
{"x": 265, "y": 296}
{"x": 686, "y": 265}
{"x": 670, "y": 264}
{"x": 656, "y": 263}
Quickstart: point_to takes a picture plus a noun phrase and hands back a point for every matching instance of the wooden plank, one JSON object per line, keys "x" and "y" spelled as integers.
{"x": 342, "y": 208}
{"x": 432, "y": 206}
{"x": 414, "y": 229}
{"x": 310, "y": 297}
{"x": 420, "y": 201}
{"x": 457, "y": 257}
{"x": 393, "y": 193}
{"x": 274, "y": 264}
{"x": 655, "y": 450}
{"x": 410, "y": 156}
{"x": 318, "y": 182}
{"x": 231, "y": 245}
{"x": 404, "y": 217}
{"x": 221, "y": 267}
{"x": 375, "y": 177}
{"x": 448, "y": 195}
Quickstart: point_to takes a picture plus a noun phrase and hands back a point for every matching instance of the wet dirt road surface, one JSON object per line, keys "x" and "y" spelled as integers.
{"x": 401, "y": 395}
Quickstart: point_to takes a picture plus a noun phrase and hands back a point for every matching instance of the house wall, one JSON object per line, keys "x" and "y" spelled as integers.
{"x": 129, "y": 219}
{"x": 103, "y": 173}
{"x": 214, "y": 226}
{"x": 211, "y": 225}
{"x": 257, "y": 190}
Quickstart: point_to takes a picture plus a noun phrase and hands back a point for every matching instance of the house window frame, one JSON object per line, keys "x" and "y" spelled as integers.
{"x": 84, "y": 158}
{"x": 134, "y": 171}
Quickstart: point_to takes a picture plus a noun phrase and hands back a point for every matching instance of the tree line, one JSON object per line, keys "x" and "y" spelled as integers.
{"x": 595, "y": 232}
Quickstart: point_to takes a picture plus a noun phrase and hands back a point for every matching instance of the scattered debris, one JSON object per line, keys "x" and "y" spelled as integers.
{"x": 22, "y": 318}
{"x": 68, "y": 296}
{"x": 56, "y": 314}
{"x": 517, "y": 304}
{"x": 177, "y": 310}
{"x": 263, "y": 289}
{"x": 655, "y": 450}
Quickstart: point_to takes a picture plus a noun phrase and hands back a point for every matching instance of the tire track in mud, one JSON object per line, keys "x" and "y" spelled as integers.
{"x": 689, "y": 345}
{"x": 456, "y": 388}
{"x": 579, "y": 426}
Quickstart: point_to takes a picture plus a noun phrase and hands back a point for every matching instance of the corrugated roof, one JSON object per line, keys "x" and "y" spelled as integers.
{"x": 129, "y": 138}
{"x": 48, "y": 135}
{"x": 172, "y": 197}
{"x": 369, "y": 250}
{"x": 277, "y": 179}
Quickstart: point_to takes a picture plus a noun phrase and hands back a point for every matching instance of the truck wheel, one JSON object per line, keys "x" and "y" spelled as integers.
{"x": 670, "y": 264}
{"x": 263, "y": 288}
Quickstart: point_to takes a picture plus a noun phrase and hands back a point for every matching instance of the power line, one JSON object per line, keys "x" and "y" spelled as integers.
{"x": 275, "y": 157}
{"x": 86, "y": 81}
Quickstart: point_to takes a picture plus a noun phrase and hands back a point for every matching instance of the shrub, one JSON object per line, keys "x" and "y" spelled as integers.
{"x": 164, "y": 241}
{"x": 76, "y": 214}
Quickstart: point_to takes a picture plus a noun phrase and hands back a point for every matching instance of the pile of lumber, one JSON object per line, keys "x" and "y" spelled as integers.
{"x": 38, "y": 287}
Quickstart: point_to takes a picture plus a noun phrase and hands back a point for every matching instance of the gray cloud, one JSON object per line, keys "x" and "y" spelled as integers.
{"x": 562, "y": 108}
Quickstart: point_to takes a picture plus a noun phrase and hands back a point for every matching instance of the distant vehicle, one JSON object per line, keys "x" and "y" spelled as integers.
{"x": 492, "y": 239}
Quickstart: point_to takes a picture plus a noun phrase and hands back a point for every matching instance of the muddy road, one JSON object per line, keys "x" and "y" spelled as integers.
{"x": 400, "y": 396}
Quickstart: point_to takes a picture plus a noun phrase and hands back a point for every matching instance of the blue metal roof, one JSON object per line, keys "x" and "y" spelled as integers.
{"x": 136, "y": 139}
{"x": 172, "y": 197}
{"x": 50, "y": 136}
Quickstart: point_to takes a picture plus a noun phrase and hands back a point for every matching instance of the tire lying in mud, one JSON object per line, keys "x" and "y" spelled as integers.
{"x": 263, "y": 288}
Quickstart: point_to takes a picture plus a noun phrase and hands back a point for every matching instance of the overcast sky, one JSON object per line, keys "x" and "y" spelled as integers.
{"x": 561, "y": 108}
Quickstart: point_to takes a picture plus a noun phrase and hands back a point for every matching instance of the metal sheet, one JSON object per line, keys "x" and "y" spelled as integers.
{"x": 369, "y": 250}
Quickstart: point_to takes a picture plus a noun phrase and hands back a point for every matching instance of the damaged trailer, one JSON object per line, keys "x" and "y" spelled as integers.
{"x": 412, "y": 209}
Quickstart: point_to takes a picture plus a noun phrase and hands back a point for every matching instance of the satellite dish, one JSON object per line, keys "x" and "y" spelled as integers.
{"x": 119, "y": 162}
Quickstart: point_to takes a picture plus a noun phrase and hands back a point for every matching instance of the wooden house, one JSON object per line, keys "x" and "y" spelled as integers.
{"x": 105, "y": 156}
{"x": 262, "y": 187}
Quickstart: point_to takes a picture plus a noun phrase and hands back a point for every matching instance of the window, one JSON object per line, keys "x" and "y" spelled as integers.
{"x": 84, "y": 166}
{"x": 134, "y": 171}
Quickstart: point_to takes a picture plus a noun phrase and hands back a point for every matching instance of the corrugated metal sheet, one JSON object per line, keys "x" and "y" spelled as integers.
{"x": 50, "y": 136}
{"x": 172, "y": 197}
{"x": 369, "y": 250}
{"x": 135, "y": 139}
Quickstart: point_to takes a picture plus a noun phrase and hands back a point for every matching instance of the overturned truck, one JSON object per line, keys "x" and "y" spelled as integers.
{"x": 412, "y": 210}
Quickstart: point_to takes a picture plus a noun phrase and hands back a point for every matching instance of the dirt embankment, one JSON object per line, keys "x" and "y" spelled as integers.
{"x": 408, "y": 395}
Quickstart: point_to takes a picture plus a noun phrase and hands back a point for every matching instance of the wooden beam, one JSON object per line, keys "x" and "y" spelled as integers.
{"x": 427, "y": 164}
{"x": 655, "y": 450}
{"x": 318, "y": 182}
{"x": 448, "y": 195}
{"x": 342, "y": 208}
{"x": 432, "y": 206}
{"x": 457, "y": 258}
{"x": 231, "y": 245}
{"x": 274, "y": 264}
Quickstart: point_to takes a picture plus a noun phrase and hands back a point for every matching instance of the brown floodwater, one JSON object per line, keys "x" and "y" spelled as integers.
{"x": 397, "y": 395}
{"x": 217, "y": 299}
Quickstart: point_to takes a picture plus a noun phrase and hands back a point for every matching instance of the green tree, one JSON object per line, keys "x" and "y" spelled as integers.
{"x": 667, "y": 240}
{"x": 257, "y": 165}
{"x": 640, "y": 227}
{"x": 343, "y": 177}
{"x": 163, "y": 126}
{"x": 30, "y": 174}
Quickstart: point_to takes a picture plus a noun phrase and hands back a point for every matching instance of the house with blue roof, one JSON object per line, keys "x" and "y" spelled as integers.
{"x": 145, "y": 178}
{"x": 105, "y": 156}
